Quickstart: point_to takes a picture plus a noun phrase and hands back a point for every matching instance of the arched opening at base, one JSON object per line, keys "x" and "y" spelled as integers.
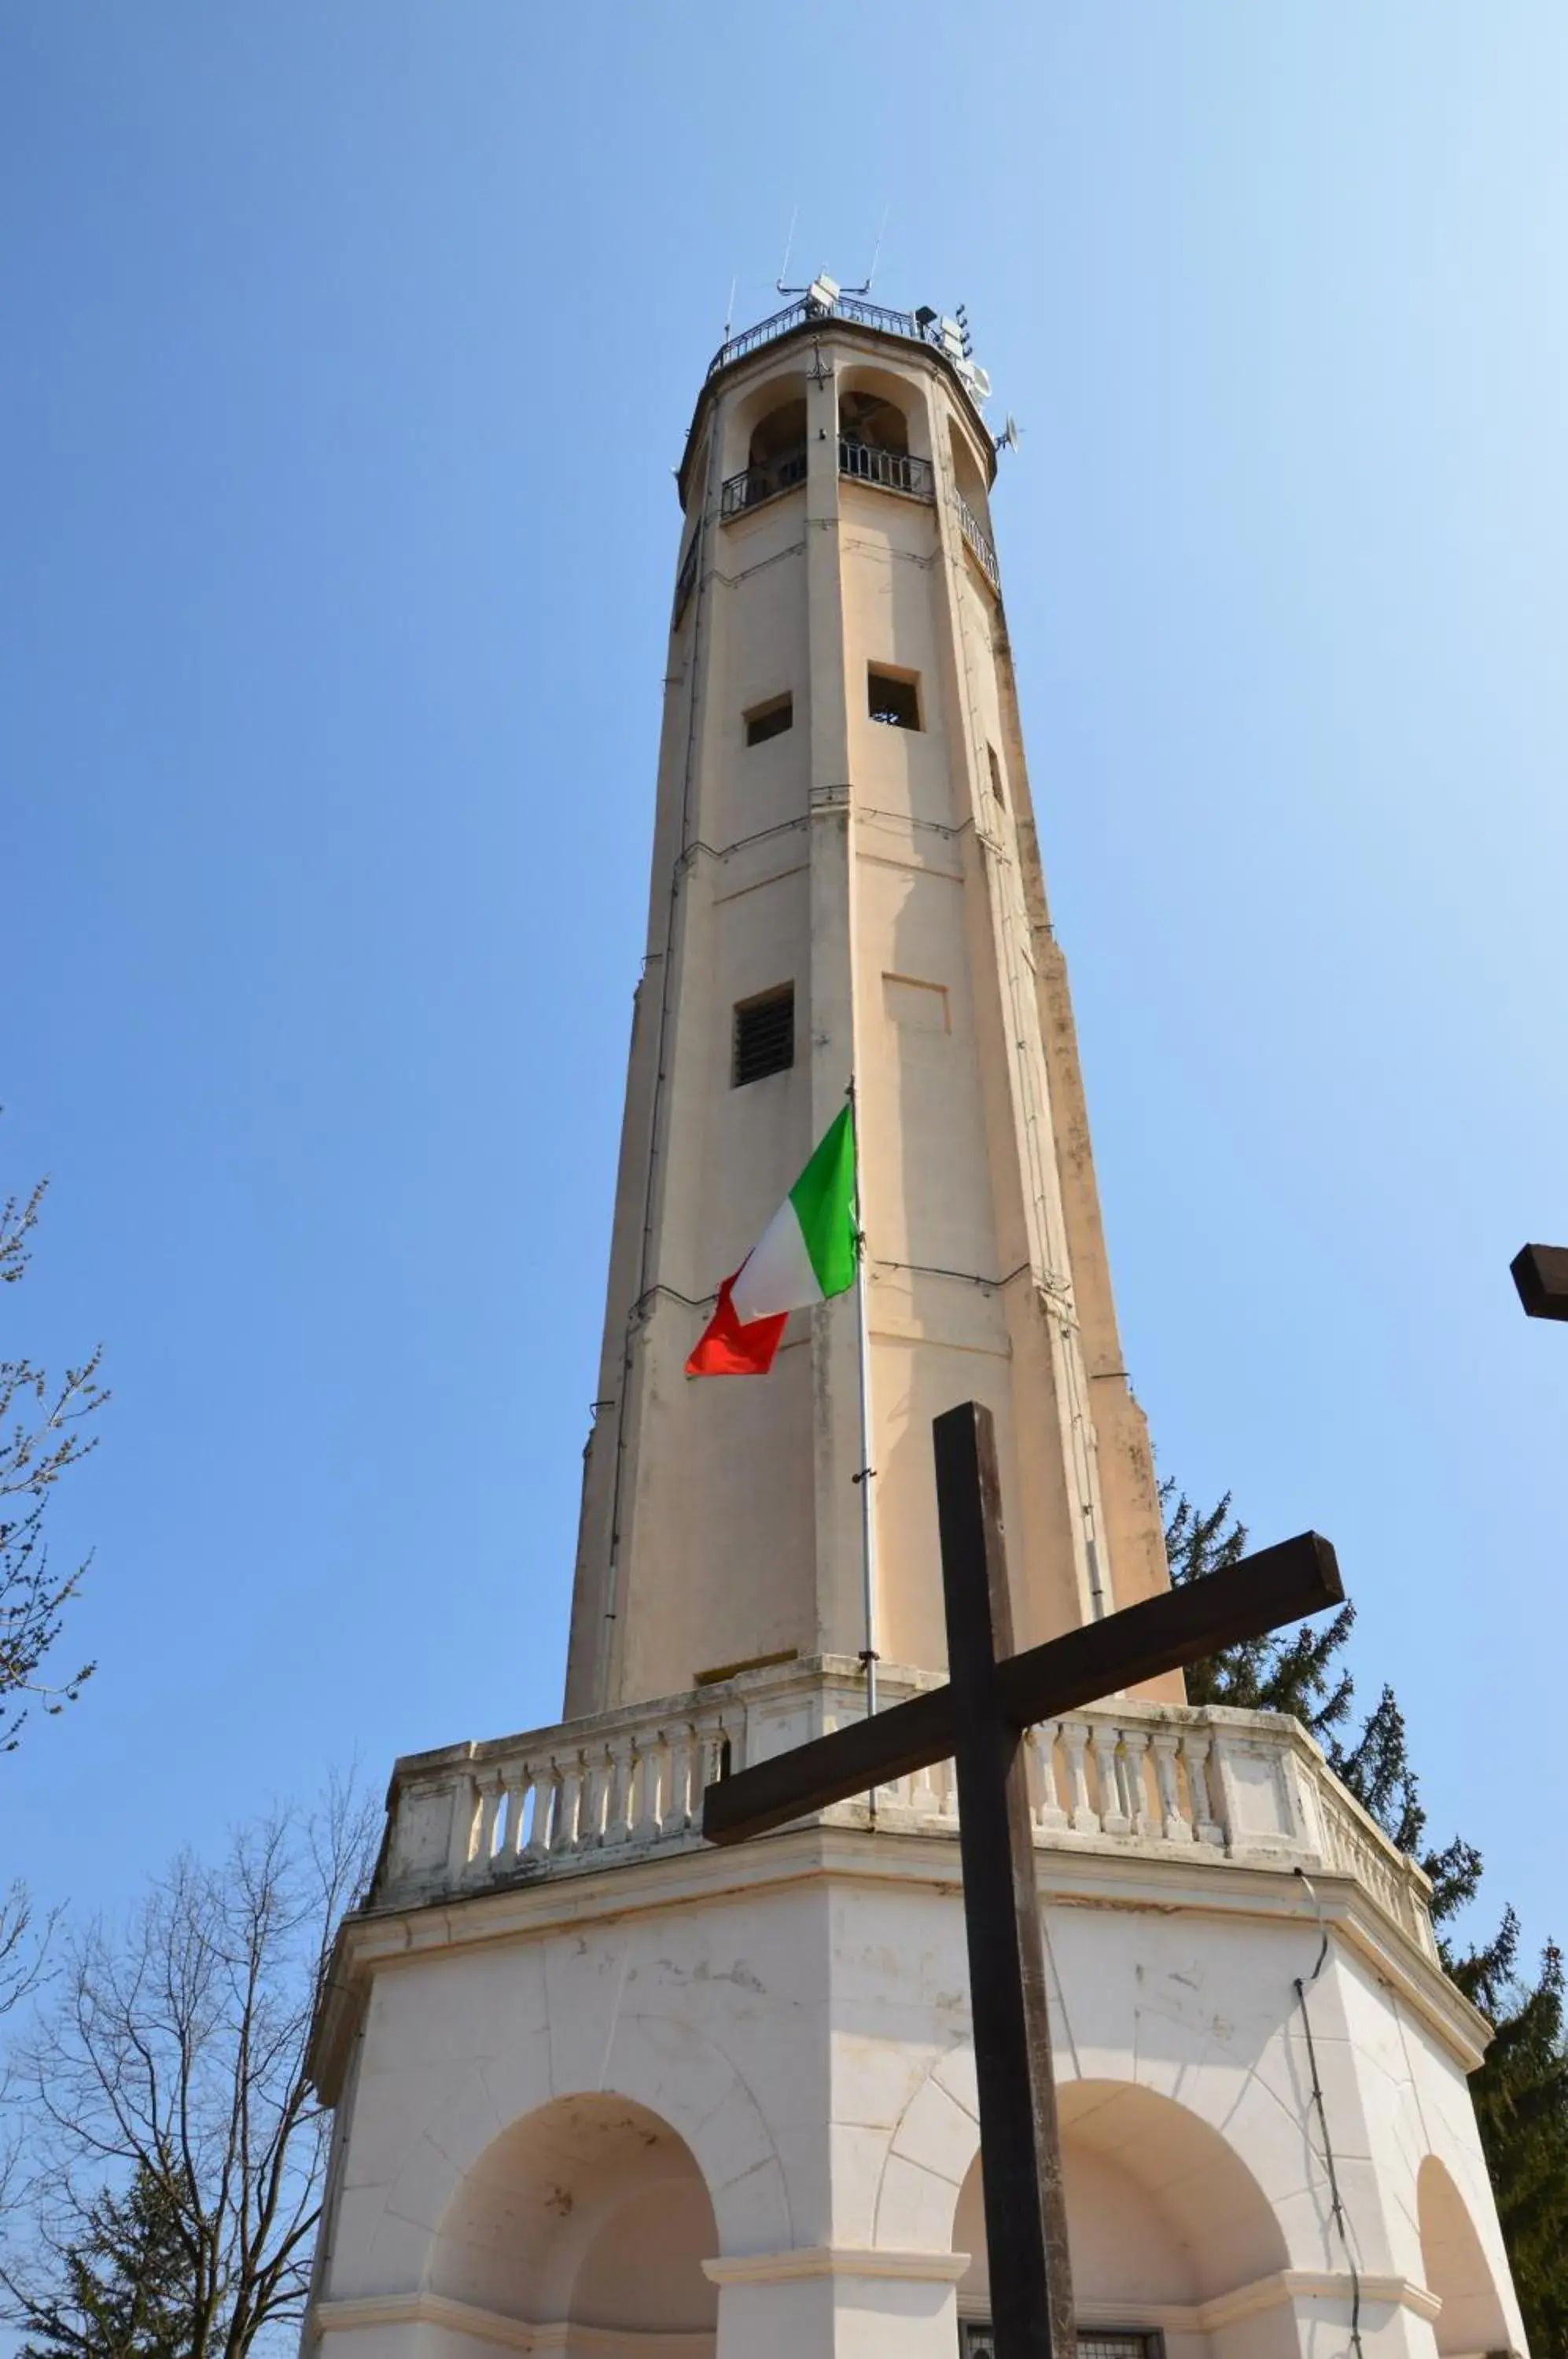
{"x": 1162, "y": 2216}
{"x": 1455, "y": 2267}
{"x": 590, "y": 2213}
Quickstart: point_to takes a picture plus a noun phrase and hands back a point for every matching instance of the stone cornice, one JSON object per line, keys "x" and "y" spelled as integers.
{"x": 370, "y": 2311}
{"x": 1105, "y": 1874}
{"x": 837, "y": 2261}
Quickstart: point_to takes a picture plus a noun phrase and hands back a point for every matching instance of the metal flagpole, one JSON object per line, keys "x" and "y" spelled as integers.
{"x": 867, "y": 1473}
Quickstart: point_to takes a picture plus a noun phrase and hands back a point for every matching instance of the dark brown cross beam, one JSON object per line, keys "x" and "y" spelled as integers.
{"x": 1541, "y": 1274}
{"x": 978, "y": 1720}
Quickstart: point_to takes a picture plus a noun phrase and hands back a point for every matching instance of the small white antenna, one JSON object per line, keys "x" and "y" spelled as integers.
{"x": 789, "y": 250}
{"x": 729, "y": 309}
{"x": 1011, "y": 435}
{"x": 875, "y": 257}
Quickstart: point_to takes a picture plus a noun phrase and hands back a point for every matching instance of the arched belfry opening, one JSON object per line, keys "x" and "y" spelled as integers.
{"x": 770, "y": 446}
{"x": 1455, "y": 2267}
{"x": 590, "y": 2212}
{"x": 1162, "y": 2215}
{"x": 970, "y": 479}
{"x": 881, "y": 433}
{"x": 871, "y": 420}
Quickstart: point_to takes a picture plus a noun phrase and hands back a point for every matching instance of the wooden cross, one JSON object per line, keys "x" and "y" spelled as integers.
{"x": 1541, "y": 1274}
{"x": 978, "y": 1720}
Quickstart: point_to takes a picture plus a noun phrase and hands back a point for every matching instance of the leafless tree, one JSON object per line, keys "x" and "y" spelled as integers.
{"x": 169, "y": 2057}
{"x": 42, "y": 1420}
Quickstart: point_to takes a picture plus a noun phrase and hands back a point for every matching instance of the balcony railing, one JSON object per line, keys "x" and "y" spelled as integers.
{"x": 780, "y": 473}
{"x": 804, "y": 314}
{"x": 978, "y": 542}
{"x": 895, "y": 471}
{"x": 1168, "y": 1782}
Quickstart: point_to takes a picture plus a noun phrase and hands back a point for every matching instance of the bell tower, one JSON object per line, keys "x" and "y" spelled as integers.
{"x": 846, "y": 880}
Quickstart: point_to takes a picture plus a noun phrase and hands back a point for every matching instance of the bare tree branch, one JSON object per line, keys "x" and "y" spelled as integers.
{"x": 171, "y": 2064}
{"x": 42, "y": 1436}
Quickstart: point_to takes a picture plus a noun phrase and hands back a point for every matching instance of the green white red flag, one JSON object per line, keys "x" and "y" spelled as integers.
{"x": 806, "y": 1254}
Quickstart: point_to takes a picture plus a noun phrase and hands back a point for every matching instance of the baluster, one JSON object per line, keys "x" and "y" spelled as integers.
{"x": 924, "y": 1799}
{"x": 563, "y": 1835}
{"x": 1075, "y": 1739}
{"x": 1195, "y": 1753}
{"x": 595, "y": 1785}
{"x": 1049, "y": 1815}
{"x": 489, "y": 1784}
{"x": 1230, "y": 1817}
{"x": 514, "y": 1793}
{"x": 538, "y": 1844}
{"x": 1135, "y": 1751}
{"x": 1113, "y": 1818}
{"x": 618, "y": 1800}
{"x": 946, "y": 1778}
{"x": 465, "y": 1812}
{"x": 678, "y": 1805}
{"x": 650, "y": 1773}
{"x": 1174, "y": 1823}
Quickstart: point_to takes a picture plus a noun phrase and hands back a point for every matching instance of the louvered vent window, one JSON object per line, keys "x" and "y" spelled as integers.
{"x": 765, "y": 1035}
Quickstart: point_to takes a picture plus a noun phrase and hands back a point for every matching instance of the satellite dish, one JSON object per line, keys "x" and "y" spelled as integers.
{"x": 1008, "y": 439}
{"x": 979, "y": 380}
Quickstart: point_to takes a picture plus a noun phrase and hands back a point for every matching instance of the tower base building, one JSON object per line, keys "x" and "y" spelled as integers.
{"x": 603, "y": 2090}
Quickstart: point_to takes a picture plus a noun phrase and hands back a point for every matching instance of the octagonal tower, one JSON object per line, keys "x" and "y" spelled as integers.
{"x": 846, "y": 880}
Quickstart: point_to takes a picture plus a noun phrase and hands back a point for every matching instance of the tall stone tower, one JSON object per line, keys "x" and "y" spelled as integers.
{"x": 846, "y": 879}
{"x": 600, "y": 2090}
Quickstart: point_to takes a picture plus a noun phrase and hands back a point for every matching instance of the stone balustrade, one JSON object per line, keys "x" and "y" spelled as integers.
{"x": 1157, "y": 1782}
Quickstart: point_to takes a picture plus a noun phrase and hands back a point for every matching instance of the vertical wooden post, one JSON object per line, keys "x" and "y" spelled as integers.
{"x": 1026, "y": 2214}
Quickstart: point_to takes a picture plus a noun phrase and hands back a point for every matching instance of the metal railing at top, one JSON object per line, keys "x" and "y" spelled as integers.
{"x": 979, "y": 541}
{"x": 802, "y": 314}
{"x": 895, "y": 471}
{"x": 763, "y": 482}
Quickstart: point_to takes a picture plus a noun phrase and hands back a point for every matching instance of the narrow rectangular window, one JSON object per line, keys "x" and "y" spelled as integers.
{"x": 996, "y": 775}
{"x": 763, "y": 1035}
{"x": 769, "y": 719}
{"x": 893, "y": 697}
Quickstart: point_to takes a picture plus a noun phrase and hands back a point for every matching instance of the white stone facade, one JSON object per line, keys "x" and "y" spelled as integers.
{"x": 606, "y": 2091}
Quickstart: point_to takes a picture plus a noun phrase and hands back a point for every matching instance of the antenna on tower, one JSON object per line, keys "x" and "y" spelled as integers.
{"x": 729, "y": 310}
{"x": 1008, "y": 439}
{"x": 875, "y": 257}
{"x": 789, "y": 250}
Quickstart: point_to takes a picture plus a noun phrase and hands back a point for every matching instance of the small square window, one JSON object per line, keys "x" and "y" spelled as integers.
{"x": 894, "y": 697}
{"x": 763, "y": 1035}
{"x": 769, "y": 719}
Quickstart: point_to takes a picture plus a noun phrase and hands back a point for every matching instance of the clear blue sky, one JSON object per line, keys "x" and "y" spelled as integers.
{"x": 343, "y": 343}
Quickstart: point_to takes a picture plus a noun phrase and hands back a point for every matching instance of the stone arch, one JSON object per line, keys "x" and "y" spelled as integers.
{"x": 884, "y": 410}
{"x": 766, "y": 426}
{"x": 1455, "y": 2265}
{"x": 1162, "y": 2209}
{"x": 590, "y": 2211}
{"x": 969, "y": 476}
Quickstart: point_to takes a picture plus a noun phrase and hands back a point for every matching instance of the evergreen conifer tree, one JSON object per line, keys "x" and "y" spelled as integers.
{"x": 1520, "y": 2089}
{"x": 123, "y": 2288}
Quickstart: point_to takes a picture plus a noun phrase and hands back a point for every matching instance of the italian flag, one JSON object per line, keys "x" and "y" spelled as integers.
{"x": 805, "y": 1254}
